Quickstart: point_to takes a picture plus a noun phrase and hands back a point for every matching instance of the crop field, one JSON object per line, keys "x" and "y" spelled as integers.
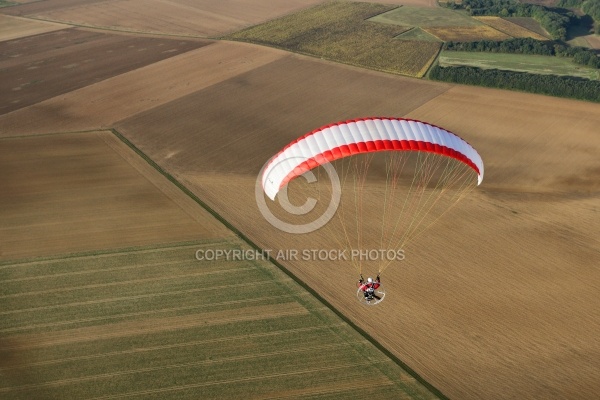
{"x": 583, "y": 36}
{"x": 517, "y": 62}
{"x": 155, "y": 322}
{"x": 87, "y": 191}
{"x": 135, "y": 91}
{"x": 510, "y": 28}
{"x": 127, "y": 312}
{"x": 466, "y": 33}
{"x": 593, "y": 41}
{"x": 444, "y": 24}
{"x": 39, "y": 67}
{"x": 338, "y": 31}
{"x": 15, "y": 27}
{"x": 196, "y": 18}
{"x": 425, "y": 17}
{"x": 417, "y": 34}
{"x": 283, "y": 82}
{"x": 529, "y": 24}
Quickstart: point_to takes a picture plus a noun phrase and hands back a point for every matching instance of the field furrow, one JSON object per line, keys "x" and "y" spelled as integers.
{"x": 251, "y": 327}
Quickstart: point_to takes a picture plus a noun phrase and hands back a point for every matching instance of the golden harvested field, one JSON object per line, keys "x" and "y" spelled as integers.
{"x": 15, "y": 27}
{"x": 510, "y": 28}
{"x": 88, "y": 191}
{"x": 466, "y": 33}
{"x": 203, "y": 18}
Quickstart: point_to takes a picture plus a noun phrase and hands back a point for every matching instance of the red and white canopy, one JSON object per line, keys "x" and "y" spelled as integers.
{"x": 364, "y": 135}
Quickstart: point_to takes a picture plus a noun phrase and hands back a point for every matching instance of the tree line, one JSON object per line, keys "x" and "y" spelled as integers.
{"x": 569, "y": 3}
{"x": 580, "y": 55}
{"x": 556, "y": 24}
{"x": 553, "y": 85}
{"x": 590, "y": 7}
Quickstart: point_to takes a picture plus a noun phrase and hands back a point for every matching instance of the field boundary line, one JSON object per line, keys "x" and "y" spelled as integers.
{"x": 275, "y": 262}
{"x": 183, "y": 202}
{"x": 316, "y": 57}
{"x": 435, "y": 58}
{"x": 395, "y": 6}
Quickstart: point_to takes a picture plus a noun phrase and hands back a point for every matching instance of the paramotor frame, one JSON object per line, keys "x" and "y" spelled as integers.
{"x": 370, "y": 299}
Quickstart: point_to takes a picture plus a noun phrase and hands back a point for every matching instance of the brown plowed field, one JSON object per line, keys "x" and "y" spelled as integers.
{"x": 39, "y": 67}
{"x": 119, "y": 97}
{"x": 510, "y": 28}
{"x": 263, "y": 109}
{"x": 594, "y": 41}
{"x": 88, "y": 191}
{"x": 466, "y": 33}
{"x": 203, "y": 18}
{"x": 15, "y": 27}
{"x": 498, "y": 300}
{"x": 42, "y": 6}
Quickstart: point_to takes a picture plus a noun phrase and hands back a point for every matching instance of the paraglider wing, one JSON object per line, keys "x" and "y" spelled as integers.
{"x": 364, "y": 135}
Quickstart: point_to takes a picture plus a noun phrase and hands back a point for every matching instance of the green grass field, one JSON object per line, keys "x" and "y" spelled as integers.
{"x": 418, "y": 34}
{"x": 339, "y": 31}
{"x": 156, "y": 323}
{"x": 425, "y": 17}
{"x": 517, "y": 62}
